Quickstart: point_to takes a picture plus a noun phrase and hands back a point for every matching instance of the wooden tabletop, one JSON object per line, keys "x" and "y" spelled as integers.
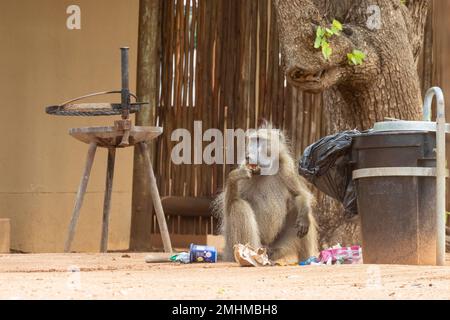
{"x": 108, "y": 137}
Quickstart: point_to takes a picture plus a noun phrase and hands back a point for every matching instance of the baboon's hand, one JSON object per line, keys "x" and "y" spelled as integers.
{"x": 240, "y": 173}
{"x": 302, "y": 226}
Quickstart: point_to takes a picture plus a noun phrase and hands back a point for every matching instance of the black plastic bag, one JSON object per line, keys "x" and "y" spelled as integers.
{"x": 326, "y": 164}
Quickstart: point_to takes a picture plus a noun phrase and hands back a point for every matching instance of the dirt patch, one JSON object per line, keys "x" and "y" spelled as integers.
{"x": 111, "y": 276}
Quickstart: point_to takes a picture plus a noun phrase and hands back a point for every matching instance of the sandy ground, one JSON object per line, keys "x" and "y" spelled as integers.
{"x": 127, "y": 276}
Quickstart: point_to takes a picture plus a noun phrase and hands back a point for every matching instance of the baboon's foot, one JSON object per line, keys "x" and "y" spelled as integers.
{"x": 275, "y": 254}
{"x": 282, "y": 257}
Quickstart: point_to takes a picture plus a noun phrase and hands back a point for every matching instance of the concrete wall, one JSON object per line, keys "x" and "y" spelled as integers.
{"x": 43, "y": 63}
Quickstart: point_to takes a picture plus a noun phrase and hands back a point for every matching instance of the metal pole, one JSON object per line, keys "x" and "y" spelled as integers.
{"x": 440, "y": 167}
{"x": 125, "y": 82}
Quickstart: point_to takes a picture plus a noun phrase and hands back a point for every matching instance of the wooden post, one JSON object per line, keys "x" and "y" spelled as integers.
{"x": 5, "y": 236}
{"x": 80, "y": 195}
{"x": 147, "y": 90}
{"x": 156, "y": 200}
{"x": 107, "y": 201}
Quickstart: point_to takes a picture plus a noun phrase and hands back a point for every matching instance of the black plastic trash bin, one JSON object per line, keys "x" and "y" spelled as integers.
{"x": 398, "y": 212}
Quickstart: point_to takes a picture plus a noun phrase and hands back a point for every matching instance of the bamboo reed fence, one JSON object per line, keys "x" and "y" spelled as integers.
{"x": 221, "y": 64}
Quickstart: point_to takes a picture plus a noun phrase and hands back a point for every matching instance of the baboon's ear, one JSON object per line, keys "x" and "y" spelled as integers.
{"x": 263, "y": 123}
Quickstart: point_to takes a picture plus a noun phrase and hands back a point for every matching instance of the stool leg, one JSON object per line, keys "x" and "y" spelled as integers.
{"x": 156, "y": 200}
{"x": 80, "y": 195}
{"x": 107, "y": 200}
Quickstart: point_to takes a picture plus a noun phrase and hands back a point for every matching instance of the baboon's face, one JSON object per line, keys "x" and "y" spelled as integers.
{"x": 262, "y": 149}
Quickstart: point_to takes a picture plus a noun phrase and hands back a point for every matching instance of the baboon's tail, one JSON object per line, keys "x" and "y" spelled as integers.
{"x": 217, "y": 209}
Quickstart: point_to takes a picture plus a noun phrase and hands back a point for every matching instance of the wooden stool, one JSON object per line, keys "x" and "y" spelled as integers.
{"x": 113, "y": 138}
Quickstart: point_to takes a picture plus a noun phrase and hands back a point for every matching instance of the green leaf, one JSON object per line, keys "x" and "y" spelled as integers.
{"x": 359, "y": 54}
{"x": 337, "y": 25}
{"x": 356, "y": 58}
{"x": 329, "y": 32}
{"x": 326, "y": 50}
{"x": 318, "y": 43}
{"x": 320, "y": 32}
{"x": 335, "y": 31}
{"x": 323, "y": 34}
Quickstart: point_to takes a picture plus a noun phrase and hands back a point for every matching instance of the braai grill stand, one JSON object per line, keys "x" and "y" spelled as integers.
{"x": 123, "y": 134}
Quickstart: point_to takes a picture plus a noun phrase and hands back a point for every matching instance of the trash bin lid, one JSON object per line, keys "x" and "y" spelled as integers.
{"x": 407, "y": 126}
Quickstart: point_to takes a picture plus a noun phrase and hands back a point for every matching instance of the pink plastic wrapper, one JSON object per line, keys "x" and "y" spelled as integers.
{"x": 345, "y": 255}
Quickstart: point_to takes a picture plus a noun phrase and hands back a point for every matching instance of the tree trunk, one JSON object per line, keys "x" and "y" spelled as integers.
{"x": 147, "y": 90}
{"x": 386, "y": 84}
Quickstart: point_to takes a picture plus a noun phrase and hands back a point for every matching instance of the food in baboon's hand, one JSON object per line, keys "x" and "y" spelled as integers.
{"x": 254, "y": 168}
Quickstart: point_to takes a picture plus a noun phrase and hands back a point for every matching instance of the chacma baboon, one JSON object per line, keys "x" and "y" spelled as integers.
{"x": 272, "y": 211}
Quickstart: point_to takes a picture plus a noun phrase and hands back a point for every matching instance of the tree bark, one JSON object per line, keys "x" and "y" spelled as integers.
{"x": 147, "y": 90}
{"x": 386, "y": 84}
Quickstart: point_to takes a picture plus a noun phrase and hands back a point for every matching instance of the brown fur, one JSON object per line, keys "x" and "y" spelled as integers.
{"x": 270, "y": 211}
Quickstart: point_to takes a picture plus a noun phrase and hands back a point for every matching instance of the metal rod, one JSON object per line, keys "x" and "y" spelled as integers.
{"x": 88, "y": 96}
{"x": 80, "y": 195}
{"x": 107, "y": 200}
{"x": 154, "y": 193}
{"x": 95, "y": 94}
{"x": 125, "y": 82}
{"x": 440, "y": 167}
{"x": 395, "y": 172}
